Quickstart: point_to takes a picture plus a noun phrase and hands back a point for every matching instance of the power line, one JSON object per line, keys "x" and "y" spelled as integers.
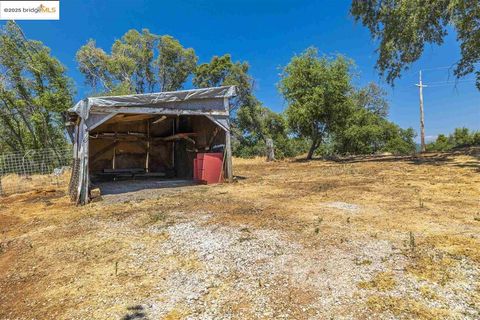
{"x": 420, "y": 86}
{"x": 445, "y": 67}
{"x": 452, "y": 81}
{"x": 448, "y": 83}
{"x": 438, "y": 68}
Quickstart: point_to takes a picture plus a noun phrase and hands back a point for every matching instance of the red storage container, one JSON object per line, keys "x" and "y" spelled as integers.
{"x": 208, "y": 167}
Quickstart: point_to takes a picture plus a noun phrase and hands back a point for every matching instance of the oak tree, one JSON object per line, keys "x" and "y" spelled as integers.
{"x": 318, "y": 91}
{"x": 404, "y": 27}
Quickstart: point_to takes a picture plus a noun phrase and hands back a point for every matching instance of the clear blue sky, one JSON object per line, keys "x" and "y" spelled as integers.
{"x": 265, "y": 33}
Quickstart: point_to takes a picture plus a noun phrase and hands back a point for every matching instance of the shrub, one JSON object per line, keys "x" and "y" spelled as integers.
{"x": 461, "y": 137}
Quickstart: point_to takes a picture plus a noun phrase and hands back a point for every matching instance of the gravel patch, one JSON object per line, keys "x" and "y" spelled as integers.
{"x": 137, "y": 190}
{"x": 263, "y": 270}
{"x": 203, "y": 270}
{"x": 349, "y": 207}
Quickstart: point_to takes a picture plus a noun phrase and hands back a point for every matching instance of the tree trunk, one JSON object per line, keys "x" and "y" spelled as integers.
{"x": 313, "y": 147}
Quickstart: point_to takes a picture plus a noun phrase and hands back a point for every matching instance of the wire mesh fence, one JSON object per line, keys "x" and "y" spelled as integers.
{"x": 34, "y": 170}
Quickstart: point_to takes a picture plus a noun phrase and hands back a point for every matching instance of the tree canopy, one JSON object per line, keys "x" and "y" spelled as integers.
{"x": 369, "y": 133}
{"x": 403, "y": 28}
{"x": 34, "y": 91}
{"x": 318, "y": 91}
{"x": 222, "y": 71}
{"x": 367, "y": 129}
{"x": 373, "y": 98}
{"x": 175, "y": 63}
{"x": 258, "y": 123}
{"x": 252, "y": 123}
{"x": 139, "y": 62}
{"x": 461, "y": 137}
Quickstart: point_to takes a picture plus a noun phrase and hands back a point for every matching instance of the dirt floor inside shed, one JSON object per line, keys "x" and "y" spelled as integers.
{"x": 363, "y": 238}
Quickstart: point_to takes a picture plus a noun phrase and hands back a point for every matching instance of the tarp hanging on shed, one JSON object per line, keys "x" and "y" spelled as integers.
{"x": 195, "y": 101}
{"x": 222, "y": 121}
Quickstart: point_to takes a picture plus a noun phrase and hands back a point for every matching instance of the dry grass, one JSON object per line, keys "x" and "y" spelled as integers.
{"x": 383, "y": 281}
{"x": 15, "y": 183}
{"x": 406, "y": 308}
{"x": 428, "y": 293}
{"x": 374, "y": 237}
{"x": 436, "y": 268}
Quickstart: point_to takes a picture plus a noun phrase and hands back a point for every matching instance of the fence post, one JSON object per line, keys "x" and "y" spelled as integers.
{"x": 270, "y": 150}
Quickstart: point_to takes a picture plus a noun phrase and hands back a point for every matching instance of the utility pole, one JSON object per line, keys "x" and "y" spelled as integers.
{"x": 420, "y": 86}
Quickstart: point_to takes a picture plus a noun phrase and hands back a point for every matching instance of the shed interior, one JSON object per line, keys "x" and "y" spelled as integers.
{"x": 147, "y": 146}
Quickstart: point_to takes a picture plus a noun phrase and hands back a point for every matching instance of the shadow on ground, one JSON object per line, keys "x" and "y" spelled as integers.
{"x": 420, "y": 159}
{"x": 135, "y": 312}
{"x": 124, "y": 186}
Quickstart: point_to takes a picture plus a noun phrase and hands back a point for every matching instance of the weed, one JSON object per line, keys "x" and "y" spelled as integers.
{"x": 176, "y": 314}
{"x": 406, "y": 308}
{"x": 362, "y": 262}
{"x": 383, "y": 281}
{"x": 319, "y": 221}
{"x": 157, "y": 216}
{"x": 433, "y": 267}
{"x": 243, "y": 239}
{"x": 428, "y": 293}
{"x": 412, "y": 242}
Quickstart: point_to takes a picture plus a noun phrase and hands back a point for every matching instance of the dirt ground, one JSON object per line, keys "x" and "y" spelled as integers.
{"x": 364, "y": 238}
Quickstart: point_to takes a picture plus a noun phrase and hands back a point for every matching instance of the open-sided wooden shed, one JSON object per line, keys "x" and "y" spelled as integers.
{"x": 147, "y": 135}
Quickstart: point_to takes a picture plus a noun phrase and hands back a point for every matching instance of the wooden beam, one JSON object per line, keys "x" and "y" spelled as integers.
{"x": 159, "y": 119}
{"x": 143, "y": 136}
{"x": 163, "y": 111}
{"x": 129, "y": 118}
{"x": 116, "y": 135}
{"x": 177, "y": 136}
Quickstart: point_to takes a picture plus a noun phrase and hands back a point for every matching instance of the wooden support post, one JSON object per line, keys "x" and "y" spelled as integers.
{"x": 113, "y": 158}
{"x": 228, "y": 152}
{"x": 147, "y": 158}
{"x": 173, "y": 144}
{"x": 114, "y": 152}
